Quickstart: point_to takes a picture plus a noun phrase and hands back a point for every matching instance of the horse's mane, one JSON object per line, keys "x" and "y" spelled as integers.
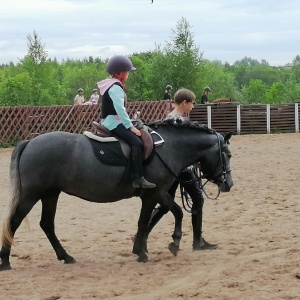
{"x": 180, "y": 123}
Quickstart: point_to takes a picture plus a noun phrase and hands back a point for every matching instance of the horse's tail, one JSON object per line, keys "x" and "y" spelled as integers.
{"x": 15, "y": 186}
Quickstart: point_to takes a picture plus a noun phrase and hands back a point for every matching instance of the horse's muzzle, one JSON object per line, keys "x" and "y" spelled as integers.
{"x": 226, "y": 185}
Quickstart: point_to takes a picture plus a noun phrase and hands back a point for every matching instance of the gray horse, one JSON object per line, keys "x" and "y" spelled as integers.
{"x": 64, "y": 162}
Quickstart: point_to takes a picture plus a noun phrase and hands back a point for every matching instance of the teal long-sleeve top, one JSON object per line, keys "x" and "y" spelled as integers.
{"x": 117, "y": 94}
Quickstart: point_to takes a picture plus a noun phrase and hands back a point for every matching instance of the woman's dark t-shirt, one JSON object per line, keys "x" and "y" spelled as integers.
{"x": 204, "y": 99}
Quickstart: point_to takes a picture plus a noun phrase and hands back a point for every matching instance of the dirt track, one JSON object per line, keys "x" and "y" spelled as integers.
{"x": 256, "y": 226}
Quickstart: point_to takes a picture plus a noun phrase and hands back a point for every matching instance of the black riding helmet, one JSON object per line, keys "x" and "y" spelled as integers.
{"x": 118, "y": 64}
{"x": 207, "y": 89}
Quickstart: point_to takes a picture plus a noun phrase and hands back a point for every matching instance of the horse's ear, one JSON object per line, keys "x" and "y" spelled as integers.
{"x": 228, "y": 136}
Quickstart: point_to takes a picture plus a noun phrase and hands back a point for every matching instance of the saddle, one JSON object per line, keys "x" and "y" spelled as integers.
{"x": 102, "y": 134}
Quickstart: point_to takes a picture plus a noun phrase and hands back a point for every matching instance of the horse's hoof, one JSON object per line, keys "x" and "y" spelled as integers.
{"x": 69, "y": 260}
{"x": 143, "y": 258}
{"x": 173, "y": 248}
{"x": 5, "y": 267}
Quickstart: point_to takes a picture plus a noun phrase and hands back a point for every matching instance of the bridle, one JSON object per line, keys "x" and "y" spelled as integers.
{"x": 185, "y": 197}
{"x": 221, "y": 177}
{"x": 208, "y": 177}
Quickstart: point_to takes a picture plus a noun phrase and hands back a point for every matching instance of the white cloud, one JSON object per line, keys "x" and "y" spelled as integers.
{"x": 224, "y": 30}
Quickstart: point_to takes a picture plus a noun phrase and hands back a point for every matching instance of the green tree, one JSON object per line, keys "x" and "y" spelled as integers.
{"x": 176, "y": 64}
{"x": 246, "y": 62}
{"x": 292, "y": 88}
{"x": 35, "y": 64}
{"x": 219, "y": 79}
{"x": 276, "y": 93}
{"x": 265, "y": 73}
{"x": 139, "y": 87}
{"x": 160, "y": 74}
{"x": 14, "y": 91}
{"x": 296, "y": 68}
{"x": 85, "y": 77}
{"x": 255, "y": 92}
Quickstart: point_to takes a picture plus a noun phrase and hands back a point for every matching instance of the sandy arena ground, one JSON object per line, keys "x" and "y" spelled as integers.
{"x": 256, "y": 226}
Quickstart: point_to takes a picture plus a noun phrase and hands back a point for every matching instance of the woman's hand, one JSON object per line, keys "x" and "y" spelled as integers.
{"x": 135, "y": 131}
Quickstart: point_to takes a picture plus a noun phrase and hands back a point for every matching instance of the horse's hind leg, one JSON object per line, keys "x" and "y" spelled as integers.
{"x": 156, "y": 215}
{"x": 140, "y": 243}
{"x": 23, "y": 208}
{"x": 49, "y": 204}
{"x": 177, "y": 234}
{"x": 178, "y": 215}
{"x": 159, "y": 212}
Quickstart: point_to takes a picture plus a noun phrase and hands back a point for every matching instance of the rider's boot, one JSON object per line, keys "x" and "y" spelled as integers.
{"x": 137, "y": 170}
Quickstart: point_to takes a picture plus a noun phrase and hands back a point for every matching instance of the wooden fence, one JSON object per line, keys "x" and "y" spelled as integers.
{"x": 243, "y": 119}
{"x": 24, "y": 122}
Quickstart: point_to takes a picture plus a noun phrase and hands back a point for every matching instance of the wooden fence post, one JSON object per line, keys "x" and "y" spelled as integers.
{"x": 238, "y": 119}
{"x": 209, "y": 116}
{"x": 297, "y": 117}
{"x": 268, "y": 119}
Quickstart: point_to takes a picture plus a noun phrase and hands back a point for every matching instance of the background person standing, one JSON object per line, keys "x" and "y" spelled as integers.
{"x": 94, "y": 97}
{"x": 167, "y": 94}
{"x": 204, "y": 97}
{"x": 79, "y": 98}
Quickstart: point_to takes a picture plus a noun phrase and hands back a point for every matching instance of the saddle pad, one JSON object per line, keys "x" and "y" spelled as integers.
{"x": 109, "y": 153}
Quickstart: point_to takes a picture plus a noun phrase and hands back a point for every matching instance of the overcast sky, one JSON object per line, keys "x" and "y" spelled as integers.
{"x": 225, "y": 30}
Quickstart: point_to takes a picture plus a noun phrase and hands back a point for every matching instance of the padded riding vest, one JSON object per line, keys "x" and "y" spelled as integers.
{"x": 107, "y": 104}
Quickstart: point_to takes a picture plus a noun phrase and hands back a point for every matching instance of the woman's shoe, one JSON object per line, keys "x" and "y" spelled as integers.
{"x": 204, "y": 245}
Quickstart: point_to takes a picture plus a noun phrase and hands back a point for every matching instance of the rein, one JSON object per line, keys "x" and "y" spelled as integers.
{"x": 204, "y": 175}
{"x": 173, "y": 174}
{"x": 196, "y": 178}
{"x": 186, "y": 202}
{"x": 185, "y": 197}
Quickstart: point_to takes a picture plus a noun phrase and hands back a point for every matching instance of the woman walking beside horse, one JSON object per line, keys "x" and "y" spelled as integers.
{"x": 184, "y": 102}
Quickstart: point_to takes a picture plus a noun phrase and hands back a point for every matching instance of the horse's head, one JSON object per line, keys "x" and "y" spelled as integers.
{"x": 216, "y": 165}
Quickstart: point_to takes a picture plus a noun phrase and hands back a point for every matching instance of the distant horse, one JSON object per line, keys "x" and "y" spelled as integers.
{"x": 64, "y": 162}
{"x": 223, "y": 100}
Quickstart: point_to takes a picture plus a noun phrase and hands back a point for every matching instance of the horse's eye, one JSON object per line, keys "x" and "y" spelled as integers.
{"x": 227, "y": 154}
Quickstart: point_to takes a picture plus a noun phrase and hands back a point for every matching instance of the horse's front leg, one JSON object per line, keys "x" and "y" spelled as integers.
{"x": 140, "y": 242}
